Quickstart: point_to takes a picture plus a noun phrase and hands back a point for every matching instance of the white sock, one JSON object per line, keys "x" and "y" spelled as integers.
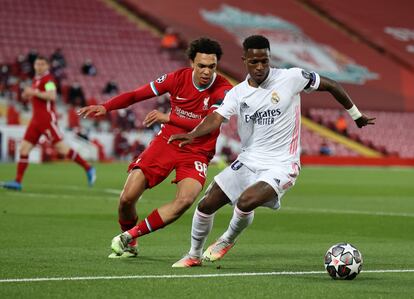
{"x": 202, "y": 225}
{"x": 239, "y": 222}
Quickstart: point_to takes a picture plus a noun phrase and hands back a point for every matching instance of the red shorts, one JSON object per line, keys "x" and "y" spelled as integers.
{"x": 37, "y": 129}
{"x": 161, "y": 158}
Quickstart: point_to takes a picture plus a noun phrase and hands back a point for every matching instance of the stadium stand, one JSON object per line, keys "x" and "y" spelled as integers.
{"x": 378, "y": 82}
{"x": 131, "y": 56}
{"x": 391, "y": 33}
{"x": 390, "y": 134}
{"x": 84, "y": 29}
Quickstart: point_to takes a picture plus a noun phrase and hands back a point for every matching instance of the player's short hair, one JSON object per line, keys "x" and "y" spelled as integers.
{"x": 256, "y": 42}
{"x": 42, "y": 57}
{"x": 204, "y": 45}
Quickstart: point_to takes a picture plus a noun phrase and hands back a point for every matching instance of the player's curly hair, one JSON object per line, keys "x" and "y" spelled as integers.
{"x": 204, "y": 45}
{"x": 256, "y": 42}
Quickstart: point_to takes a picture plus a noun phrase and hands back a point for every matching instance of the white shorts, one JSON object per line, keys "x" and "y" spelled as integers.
{"x": 237, "y": 177}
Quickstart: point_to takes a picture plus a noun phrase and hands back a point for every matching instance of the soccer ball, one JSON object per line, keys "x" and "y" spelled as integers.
{"x": 343, "y": 261}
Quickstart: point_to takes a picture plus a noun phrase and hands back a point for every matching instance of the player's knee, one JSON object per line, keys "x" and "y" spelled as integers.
{"x": 24, "y": 150}
{"x": 205, "y": 207}
{"x": 127, "y": 199}
{"x": 183, "y": 203}
{"x": 246, "y": 202}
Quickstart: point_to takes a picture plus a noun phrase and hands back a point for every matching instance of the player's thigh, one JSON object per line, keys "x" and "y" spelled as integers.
{"x": 61, "y": 147}
{"x": 234, "y": 179}
{"x": 214, "y": 198}
{"x": 256, "y": 195}
{"x": 134, "y": 186}
{"x": 281, "y": 178}
{"x": 156, "y": 162}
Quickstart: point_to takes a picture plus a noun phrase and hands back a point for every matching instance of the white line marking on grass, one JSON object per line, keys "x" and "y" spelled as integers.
{"x": 393, "y": 214}
{"x": 172, "y": 276}
{"x": 112, "y": 191}
{"x": 75, "y": 187}
{"x": 61, "y": 196}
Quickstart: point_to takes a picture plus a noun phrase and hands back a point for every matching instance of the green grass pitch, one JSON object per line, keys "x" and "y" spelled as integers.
{"x": 59, "y": 228}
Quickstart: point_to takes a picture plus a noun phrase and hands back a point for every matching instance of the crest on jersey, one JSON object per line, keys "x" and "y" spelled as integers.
{"x": 161, "y": 79}
{"x": 275, "y": 98}
{"x": 205, "y": 107}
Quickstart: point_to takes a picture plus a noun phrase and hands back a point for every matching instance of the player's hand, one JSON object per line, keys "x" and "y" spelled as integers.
{"x": 364, "y": 121}
{"x": 28, "y": 92}
{"x": 92, "y": 111}
{"x": 187, "y": 139}
{"x": 156, "y": 116}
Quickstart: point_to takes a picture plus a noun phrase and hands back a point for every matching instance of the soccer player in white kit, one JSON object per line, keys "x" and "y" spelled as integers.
{"x": 267, "y": 104}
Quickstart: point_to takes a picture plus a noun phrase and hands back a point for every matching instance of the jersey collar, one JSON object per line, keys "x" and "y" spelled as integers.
{"x": 42, "y": 75}
{"x": 203, "y": 88}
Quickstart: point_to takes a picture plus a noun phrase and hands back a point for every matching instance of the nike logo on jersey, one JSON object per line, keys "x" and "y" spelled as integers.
{"x": 180, "y": 98}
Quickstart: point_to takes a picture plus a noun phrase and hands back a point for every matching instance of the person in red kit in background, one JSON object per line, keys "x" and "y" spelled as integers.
{"x": 42, "y": 94}
{"x": 194, "y": 93}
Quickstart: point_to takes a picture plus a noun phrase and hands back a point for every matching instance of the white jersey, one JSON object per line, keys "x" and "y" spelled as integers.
{"x": 269, "y": 116}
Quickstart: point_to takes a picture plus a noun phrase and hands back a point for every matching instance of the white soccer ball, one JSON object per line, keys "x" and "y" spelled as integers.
{"x": 343, "y": 261}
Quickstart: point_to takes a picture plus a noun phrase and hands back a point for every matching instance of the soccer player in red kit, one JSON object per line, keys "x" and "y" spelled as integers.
{"x": 44, "y": 122}
{"x": 194, "y": 93}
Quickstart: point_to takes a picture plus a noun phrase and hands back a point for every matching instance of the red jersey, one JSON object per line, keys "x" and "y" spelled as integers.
{"x": 43, "y": 111}
{"x": 189, "y": 105}
{"x": 190, "y": 102}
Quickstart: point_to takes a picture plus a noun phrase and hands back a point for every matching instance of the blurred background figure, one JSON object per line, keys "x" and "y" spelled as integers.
{"x": 341, "y": 125}
{"x": 111, "y": 88}
{"x": 325, "y": 149}
{"x": 88, "y": 68}
{"x": 76, "y": 95}
{"x": 170, "y": 43}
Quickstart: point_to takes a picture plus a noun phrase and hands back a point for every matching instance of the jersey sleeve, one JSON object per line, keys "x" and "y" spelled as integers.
{"x": 126, "y": 99}
{"x": 184, "y": 123}
{"x": 229, "y": 105}
{"x": 305, "y": 81}
{"x": 163, "y": 84}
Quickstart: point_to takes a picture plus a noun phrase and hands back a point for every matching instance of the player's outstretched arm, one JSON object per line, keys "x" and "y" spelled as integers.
{"x": 339, "y": 93}
{"x": 92, "y": 111}
{"x": 210, "y": 123}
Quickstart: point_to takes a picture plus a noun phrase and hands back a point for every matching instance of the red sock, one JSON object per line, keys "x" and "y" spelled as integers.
{"x": 126, "y": 225}
{"x": 150, "y": 224}
{"x": 78, "y": 159}
{"x": 21, "y": 167}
